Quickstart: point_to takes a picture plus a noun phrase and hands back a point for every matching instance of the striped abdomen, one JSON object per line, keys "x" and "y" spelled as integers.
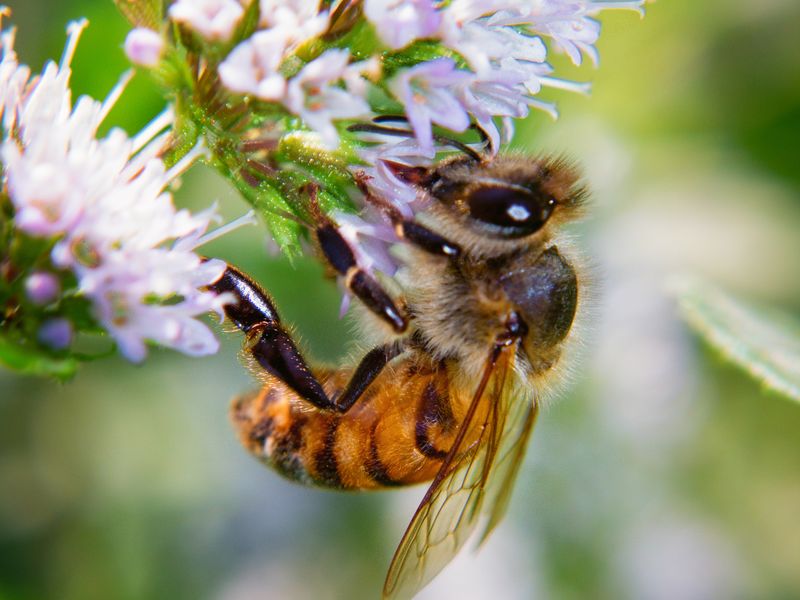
{"x": 397, "y": 433}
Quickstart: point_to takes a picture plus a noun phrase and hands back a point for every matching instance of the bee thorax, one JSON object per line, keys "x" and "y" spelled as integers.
{"x": 546, "y": 293}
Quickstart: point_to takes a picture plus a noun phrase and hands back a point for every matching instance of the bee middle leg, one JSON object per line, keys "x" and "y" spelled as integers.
{"x": 271, "y": 346}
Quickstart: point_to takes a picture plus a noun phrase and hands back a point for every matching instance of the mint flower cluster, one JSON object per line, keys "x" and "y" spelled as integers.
{"x": 301, "y": 105}
{"x": 275, "y": 87}
{"x": 89, "y": 237}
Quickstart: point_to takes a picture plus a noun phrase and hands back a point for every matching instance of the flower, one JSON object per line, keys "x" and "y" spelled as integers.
{"x": 299, "y": 20}
{"x": 400, "y": 22}
{"x": 42, "y": 287}
{"x": 144, "y": 47}
{"x": 215, "y": 20}
{"x": 252, "y": 67}
{"x": 56, "y": 333}
{"x": 104, "y": 201}
{"x": 499, "y": 93}
{"x": 567, "y": 22}
{"x": 426, "y": 92}
{"x": 313, "y": 95}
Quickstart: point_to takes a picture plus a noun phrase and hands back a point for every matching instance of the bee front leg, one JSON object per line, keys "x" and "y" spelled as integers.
{"x": 407, "y": 229}
{"x": 342, "y": 258}
{"x": 364, "y": 286}
{"x": 271, "y": 346}
{"x": 426, "y": 239}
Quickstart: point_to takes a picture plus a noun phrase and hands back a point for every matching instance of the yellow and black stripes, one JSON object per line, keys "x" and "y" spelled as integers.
{"x": 396, "y": 434}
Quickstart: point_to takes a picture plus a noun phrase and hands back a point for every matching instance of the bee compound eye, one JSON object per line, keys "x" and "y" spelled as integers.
{"x": 516, "y": 209}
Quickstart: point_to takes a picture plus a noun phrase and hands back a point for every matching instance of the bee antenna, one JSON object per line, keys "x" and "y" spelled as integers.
{"x": 471, "y": 152}
{"x": 473, "y": 126}
{"x": 375, "y": 127}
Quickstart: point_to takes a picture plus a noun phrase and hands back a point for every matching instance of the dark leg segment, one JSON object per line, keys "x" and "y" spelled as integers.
{"x": 407, "y": 229}
{"x": 427, "y": 240}
{"x": 253, "y": 307}
{"x": 362, "y": 284}
{"x": 274, "y": 350}
{"x": 366, "y": 372}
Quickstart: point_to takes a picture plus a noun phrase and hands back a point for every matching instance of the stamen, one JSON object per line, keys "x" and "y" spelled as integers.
{"x": 547, "y": 107}
{"x": 634, "y": 5}
{"x": 150, "y": 130}
{"x": 4, "y": 12}
{"x": 9, "y": 38}
{"x": 187, "y": 161}
{"x": 248, "y": 218}
{"x": 114, "y": 95}
{"x": 74, "y": 30}
{"x": 567, "y": 85}
{"x": 150, "y": 151}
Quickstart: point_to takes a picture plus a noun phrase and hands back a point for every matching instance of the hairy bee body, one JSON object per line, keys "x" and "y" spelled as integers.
{"x": 401, "y": 429}
{"x": 490, "y": 289}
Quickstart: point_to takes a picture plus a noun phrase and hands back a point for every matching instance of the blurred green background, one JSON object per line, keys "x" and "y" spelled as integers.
{"x": 661, "y": 474}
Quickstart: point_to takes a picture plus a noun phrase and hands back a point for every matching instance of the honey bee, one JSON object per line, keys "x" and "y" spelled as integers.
{"x": 490, "y": 295}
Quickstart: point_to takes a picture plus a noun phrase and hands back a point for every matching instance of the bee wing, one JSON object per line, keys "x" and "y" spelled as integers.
{"x": 519, "y": 419}
{"x": 467, "y": 484}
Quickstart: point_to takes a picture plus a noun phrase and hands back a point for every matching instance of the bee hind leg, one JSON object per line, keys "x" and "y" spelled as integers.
{"x": 271, "y": 346}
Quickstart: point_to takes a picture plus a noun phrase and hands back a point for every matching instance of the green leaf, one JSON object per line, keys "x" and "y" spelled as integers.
{"x": 33, "y": 361}
{"x": 271, "y": 204}
{"x": 763, "y": 342}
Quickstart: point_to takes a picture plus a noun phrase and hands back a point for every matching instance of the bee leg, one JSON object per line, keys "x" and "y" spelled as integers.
{"x": 254, "y": 313}
{"x": 404, "y": 119}
{"x": 363, "y": 285}
{"x": 342, "y": 258}
{"x": 425, "y": 239}
{"x": 273, "y": 349}
{"x": 367, "y": 370}
{"x": 408, "y": 229}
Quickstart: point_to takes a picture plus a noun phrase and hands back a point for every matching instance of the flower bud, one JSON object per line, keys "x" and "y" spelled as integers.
{"x": 144, "y": 47}
{"x": 56, "y": 333}
{"x": 42, "y": 287}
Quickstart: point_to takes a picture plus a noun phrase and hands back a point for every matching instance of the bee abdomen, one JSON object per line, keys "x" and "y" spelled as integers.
{"x": 285, "y": 439}
{"x": 398, "y": 433}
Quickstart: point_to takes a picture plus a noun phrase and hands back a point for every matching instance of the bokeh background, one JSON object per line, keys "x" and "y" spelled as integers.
{"x": 662, "y": 473}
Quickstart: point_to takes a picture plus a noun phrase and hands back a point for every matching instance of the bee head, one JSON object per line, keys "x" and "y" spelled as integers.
{"x": 507, "y": 197}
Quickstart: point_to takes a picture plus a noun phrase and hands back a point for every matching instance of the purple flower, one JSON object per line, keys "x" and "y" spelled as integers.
{"x": 105, "y": 204}
{"x": 215, "y": 20}
{"x": 314, "y": 95}
{"x": 42, "y": 287}
{"x": 300, "y": 20}
{"x": 400, "y": 22}
{"x": 56, "y": 333}
{"x": 144, "y": 46}
{"x": 496, "y": 94}
{"x": 427, "y": 93}
{"x": 252, "y": 67}
{"x": 567, "y": 22}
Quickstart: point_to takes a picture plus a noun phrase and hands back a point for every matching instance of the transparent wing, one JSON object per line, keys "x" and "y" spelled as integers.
{"x": 474, "y": 479}
{"x": 520, "y": 418}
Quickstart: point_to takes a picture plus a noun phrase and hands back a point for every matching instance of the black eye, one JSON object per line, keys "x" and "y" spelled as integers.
{"x": 517, "y": 210}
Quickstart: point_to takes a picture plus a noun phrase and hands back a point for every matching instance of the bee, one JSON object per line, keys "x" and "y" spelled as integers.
{"x": 491, "y": 292}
